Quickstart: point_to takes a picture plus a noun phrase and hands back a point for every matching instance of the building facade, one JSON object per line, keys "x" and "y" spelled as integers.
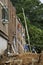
{"x": 20, "y": 35}
{"x": 12, "y": 32}
{"x": 3, "y": 25}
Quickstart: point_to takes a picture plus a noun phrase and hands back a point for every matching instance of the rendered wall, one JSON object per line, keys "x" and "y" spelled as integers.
{"x": 3, "y": 45}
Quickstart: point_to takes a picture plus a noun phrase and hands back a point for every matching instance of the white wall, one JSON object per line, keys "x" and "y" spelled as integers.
{"x": 3, "y": 45}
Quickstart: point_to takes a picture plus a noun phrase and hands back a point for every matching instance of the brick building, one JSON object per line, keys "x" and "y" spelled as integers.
{"x": 20, "y": 35}
{"x": 3, "y": 25}
{"x": 12, "y": 31}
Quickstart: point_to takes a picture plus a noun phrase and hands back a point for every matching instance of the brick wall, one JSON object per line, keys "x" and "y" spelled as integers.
{"x": 3, "y": 27}
{"x": 12, "y": 22}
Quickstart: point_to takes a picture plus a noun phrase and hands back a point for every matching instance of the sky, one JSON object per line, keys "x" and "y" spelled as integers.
{"x": 41, "y": 1}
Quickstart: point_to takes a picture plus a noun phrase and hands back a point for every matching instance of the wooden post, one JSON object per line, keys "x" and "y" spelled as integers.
{"x": 4, "y": 64}
{"x": 32, "y": 61}
{"x": 26, "y": 28}
{"x": 10, "y": 63}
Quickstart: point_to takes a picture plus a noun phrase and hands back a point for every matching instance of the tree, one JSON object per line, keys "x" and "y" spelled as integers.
{"x": 34, "y": 13}
{"x": 33, "y": 10}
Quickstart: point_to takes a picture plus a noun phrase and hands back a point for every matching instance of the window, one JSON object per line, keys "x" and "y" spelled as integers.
{"x": 23, "y": 35}
{"x": 14, "y": 41}
{"x": 4, "y": 14}
{"x": 19, "y": 27}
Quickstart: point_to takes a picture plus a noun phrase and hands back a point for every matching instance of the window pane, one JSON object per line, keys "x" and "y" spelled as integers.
{"x": 5, "y": 14}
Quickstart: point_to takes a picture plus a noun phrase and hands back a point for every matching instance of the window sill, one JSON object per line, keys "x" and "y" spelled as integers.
{"x": 4, "y": 21}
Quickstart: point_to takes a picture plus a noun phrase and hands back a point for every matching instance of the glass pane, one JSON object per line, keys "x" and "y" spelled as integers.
{"x": 5, "y": 14}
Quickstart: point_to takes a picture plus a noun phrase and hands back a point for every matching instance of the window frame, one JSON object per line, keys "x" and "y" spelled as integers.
{"x": 5, "y": 17}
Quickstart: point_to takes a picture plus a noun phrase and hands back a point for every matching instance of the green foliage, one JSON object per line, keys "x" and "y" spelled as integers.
{"x": 34, "y": 16}
{"x": 36, "y": 35}
{"x": 33, "y": 10}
